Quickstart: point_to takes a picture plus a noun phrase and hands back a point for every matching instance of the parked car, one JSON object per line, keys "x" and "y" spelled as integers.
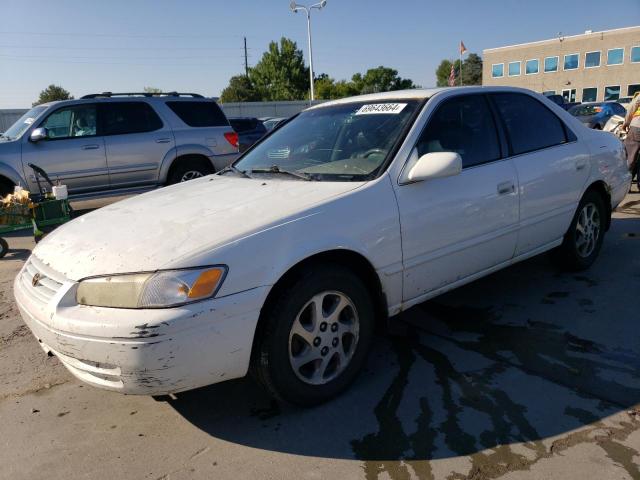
{"x": 570, "y": 105}
{"x": 375, "y": 203}
{"x": 272, "y": 123}
{"x": 249, "y": 130}
{"x": 561, "y": 101}
{"x": 114, "y": 143}
{"x": 625, "y": 101}
{"x": 596, "y": 115}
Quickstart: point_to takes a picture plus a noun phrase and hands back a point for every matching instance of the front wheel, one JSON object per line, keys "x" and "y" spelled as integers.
{"x": 583, "y": 240}
{"x": 316, "y": 335}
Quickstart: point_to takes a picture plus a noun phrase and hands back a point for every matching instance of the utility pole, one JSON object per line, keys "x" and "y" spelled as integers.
{"x": 246, "y": 62}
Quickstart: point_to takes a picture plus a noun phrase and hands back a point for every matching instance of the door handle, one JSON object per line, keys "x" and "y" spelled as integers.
{"x": 163, "y": 140}
{"x": 505, "y": 188}
{"x": 90, "y": 147}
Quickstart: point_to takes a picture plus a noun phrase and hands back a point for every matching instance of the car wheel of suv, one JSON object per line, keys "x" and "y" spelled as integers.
{"x": 583, "y": 240}
{"x": 188, "y": 169}
{"x": 316, "y": 337}
{"x": 6, "y": 187}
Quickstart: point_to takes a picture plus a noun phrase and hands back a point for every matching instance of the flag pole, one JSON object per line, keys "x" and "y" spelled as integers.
{"x": 460, "y": 50}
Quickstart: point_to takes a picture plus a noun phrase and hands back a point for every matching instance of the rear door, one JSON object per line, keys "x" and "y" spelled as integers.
{"x": 74, "y": 153}
{"x": 552, "y": 167}
{"x": 136, "y": 140}
{"x": 457, "y": 226}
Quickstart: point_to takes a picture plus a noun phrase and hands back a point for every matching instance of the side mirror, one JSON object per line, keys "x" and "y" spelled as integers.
{"x": 38, "y": 134}
{"x": 435, "y": 165}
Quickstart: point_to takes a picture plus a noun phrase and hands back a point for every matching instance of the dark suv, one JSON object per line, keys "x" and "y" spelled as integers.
{"x": 249, "y": 129}
{"x": 112, "y": 143}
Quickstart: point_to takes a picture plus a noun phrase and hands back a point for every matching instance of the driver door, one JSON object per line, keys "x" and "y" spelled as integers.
{"x": 73, "y": 153}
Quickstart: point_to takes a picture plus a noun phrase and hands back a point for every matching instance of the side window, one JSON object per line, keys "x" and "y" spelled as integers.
{"x": 199, "y": 114}
{"x": 128, "y": 117}
{"x": 76, "y": 121}
{"x": 464, "y": 125}
{"x": 530, "y": 125}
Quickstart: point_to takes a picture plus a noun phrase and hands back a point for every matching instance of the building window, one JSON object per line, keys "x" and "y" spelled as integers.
{"x": 635, "y": 54}
{"x": 631, "y": 89}
{"x": 612, "y": 92}
{"x": 497, "y": 70}
{"x": 571, "y": 62}
{"x": 592, "y": 59}
{"x": 546, "y": 93}
{"x": 514, "y": 69}
{"x": 551, "y": 64}
{"x": 532, "y": 67}
{"x": 589, "y": 94}
{"x": 615, "y": 56}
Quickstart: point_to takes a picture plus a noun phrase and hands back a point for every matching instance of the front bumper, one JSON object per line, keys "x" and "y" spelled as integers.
{"x": 147, "y": 352}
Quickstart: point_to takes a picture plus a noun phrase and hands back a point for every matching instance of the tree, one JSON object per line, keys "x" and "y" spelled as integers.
{"x": 380, "y": 79}
{"x": 51, "y": 94}
{"x": 281, "y": 73}
{"x": 152, "y": 90}
{"x": 240, "y": 89}
{"x": 471, "y": 71}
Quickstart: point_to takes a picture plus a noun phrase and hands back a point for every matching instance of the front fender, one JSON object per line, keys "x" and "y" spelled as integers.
{"x": 12, "y": 174}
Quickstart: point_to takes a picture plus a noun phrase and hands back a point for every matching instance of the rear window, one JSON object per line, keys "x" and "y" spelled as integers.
{"x": 530, "y": 125}
{"x": 199, "y": 114}
{"x": 129, "y": 117}
{"x": 585, "y": 110}
{"x": 243, "y": 124}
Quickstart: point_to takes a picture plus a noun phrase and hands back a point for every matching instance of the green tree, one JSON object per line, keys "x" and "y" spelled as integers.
{"x": 51, "y": 94}
{"x": 281, "y": 74}
{"x": 152, "y": 90}
{"x": 240, "y": 89}
{"x": 471, "y": 71}
{"x": 380, "y": 79}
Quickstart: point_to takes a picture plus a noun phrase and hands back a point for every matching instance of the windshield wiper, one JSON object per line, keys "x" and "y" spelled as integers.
{"x": 277, "y": 169}
{"x": 231, "y": 168}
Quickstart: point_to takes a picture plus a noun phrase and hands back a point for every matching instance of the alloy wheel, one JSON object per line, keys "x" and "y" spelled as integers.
{"x": 323, "y": 337}
{"x": 190, "y": 175}
{"x": 587, "y": 230}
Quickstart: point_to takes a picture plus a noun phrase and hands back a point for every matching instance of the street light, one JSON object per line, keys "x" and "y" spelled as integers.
{"x": 294, "y": 8}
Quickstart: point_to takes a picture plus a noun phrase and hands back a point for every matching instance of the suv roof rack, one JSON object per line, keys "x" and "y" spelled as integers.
{"x": 142, "y": 94}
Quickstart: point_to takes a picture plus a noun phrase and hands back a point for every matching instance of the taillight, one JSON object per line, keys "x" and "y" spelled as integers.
{"x": 232, "y": 138}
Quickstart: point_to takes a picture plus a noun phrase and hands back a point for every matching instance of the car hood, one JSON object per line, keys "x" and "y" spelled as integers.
{"x": 163, "y": 228}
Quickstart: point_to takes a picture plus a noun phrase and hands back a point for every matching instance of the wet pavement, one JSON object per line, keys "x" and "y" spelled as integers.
{"x": 528, "y": 373}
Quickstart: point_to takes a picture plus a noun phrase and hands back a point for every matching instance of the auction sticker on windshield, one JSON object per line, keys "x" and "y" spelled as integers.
{"x": 374, "y": 108}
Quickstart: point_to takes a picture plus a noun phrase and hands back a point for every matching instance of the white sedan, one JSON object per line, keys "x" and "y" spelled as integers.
{"x": 345, "y": 215}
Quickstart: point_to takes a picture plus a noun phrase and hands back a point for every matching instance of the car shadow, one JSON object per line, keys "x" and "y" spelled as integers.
{"x": 525, "y": 354}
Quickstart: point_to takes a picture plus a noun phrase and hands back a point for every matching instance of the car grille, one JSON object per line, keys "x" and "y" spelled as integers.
{"x": 40, "y": 281}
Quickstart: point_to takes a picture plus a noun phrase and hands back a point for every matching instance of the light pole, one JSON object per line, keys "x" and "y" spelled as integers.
{"x": 294, "y": 8}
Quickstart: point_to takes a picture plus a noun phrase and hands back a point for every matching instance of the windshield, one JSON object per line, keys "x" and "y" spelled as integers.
{"x": 347, "y": 142}
{"x": 24, "y": 122}
{"x": 585, "y": 110}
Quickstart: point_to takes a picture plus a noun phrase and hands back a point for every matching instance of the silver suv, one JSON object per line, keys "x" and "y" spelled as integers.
{"x": 114, "y": 143}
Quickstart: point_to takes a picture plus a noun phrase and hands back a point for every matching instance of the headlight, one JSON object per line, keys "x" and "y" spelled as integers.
{"x": 167, "y": 288}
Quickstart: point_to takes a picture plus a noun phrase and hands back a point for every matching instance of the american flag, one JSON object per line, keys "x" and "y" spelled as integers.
{"x": 452, "y": 77}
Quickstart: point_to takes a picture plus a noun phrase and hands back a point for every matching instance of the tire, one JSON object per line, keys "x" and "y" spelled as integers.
{"x": 321, "y": 373}
{"x": 4, "y": 247}
{"x": 576, "y": 253}
{"x": 6, "y": 187}
{"x": 187, "y": 169}
{"x": 597, "y": 127}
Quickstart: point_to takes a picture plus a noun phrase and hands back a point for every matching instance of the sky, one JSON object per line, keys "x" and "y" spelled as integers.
{"x": 197, "y": 45}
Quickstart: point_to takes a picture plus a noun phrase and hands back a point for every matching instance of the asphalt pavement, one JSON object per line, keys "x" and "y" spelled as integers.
{"x": 530, "y": 373}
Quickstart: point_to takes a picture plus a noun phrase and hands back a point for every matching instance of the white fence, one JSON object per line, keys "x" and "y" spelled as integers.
{"x": 236, "y": 109}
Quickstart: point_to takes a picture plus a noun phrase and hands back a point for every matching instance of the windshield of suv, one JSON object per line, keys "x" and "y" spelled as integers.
{"x": 346, "y": 142}
{"x": 24, "y": 122}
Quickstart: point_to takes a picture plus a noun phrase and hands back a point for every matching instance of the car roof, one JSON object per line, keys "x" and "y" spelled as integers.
{"x": 163, "y": 98}
{"x": 417, "y": 94}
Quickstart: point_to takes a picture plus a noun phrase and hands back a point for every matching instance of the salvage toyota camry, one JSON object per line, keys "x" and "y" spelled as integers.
{"x": 343, "y": 216}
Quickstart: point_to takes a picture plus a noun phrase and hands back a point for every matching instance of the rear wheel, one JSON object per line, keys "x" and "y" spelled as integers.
{"x": 187, "y": 169}
{"x": 316, "y": 335}
{"x": 583, "y": 240}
